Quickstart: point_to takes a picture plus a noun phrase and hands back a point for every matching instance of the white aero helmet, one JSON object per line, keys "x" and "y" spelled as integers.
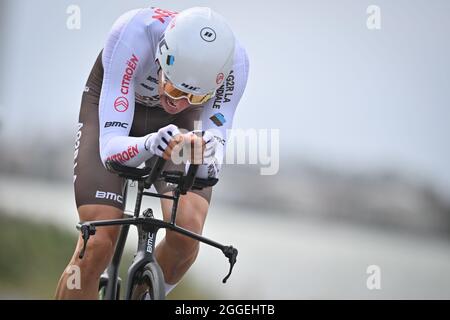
{"x": 196, "y": 51}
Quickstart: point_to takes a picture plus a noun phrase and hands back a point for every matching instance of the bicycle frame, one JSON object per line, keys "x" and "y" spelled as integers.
{"x": 147, "y": 230}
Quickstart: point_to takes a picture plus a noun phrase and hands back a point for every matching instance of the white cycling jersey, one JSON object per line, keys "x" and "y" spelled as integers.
{"x": 130, "y": 75}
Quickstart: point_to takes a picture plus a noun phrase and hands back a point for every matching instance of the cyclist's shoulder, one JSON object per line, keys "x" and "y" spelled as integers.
{"x": 241, "y": 60}
{"x": 141, "y": 27}
{"x": 151, "y": 19}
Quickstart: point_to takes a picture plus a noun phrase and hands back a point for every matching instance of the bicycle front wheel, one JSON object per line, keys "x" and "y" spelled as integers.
{"x": 149, "y": 284}
{"x": 104, "y": 284}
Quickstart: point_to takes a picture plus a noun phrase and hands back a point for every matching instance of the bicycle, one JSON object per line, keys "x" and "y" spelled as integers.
{"x": 145, "y": 280}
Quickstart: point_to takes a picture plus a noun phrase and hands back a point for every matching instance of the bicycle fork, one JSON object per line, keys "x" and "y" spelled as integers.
{"x": 145, "y": 251}
{"x": 146, "y": 247}
{"x": 111, "y": 274}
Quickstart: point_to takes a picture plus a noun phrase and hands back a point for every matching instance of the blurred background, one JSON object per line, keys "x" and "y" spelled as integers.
{"x": 364, "y": 175}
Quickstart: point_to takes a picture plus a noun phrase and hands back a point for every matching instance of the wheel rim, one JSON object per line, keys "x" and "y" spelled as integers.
{"x": 148, "y": 293}
{"x": 143, "y": 290}
{"x": 146, "y": 296}
{"x": 148, "y": 284}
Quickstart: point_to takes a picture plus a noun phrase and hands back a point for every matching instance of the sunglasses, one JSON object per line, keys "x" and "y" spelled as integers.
{"x": 177, "y": 94}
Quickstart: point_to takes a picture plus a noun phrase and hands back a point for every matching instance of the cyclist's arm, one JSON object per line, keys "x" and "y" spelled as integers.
{"x": 123, "y": 55}
{"x": 217, "y": 115}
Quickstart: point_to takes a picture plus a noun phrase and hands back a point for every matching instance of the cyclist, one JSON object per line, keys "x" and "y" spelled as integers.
{"x": 158, "y": 73}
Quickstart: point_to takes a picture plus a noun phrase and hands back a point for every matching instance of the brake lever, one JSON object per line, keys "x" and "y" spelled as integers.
{"x": 231, "y": 253}
{"x": 86, "y": 232}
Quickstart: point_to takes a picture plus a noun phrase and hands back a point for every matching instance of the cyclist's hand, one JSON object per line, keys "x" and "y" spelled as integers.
{"x": 205, "y": 155}
{"x": 194, "y": 145}
{"x": 211, "y": 166}
{"x": 164, "y": 141}
{"x": 209, "y": 147}
{"x": 202, "y": 146}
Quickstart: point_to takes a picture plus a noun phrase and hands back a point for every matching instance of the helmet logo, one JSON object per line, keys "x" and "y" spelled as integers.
{"x": 189, "y": 87}
{"x": 208, "y": 34}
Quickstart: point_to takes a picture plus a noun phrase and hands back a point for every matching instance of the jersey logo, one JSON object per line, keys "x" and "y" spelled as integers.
{"x": 162, "y": 43}
{"x": 218, "y": 119}
{"x": 219, "y": 78}
{"x": 128, "y": 74}
{"x": 170, "y": 60}
{"x": 109, "y": 196}
{"x": 116, "y": 124}
{"x": 121, "y": 104}
{"x": 225, "y": 92}
{"x": 160, "y": 14}
{"x": 77, "y": 146}
{"x": 129, "y": 153}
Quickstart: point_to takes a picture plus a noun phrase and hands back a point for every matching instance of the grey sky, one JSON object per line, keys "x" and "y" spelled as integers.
{"x": 340, "y": 93}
